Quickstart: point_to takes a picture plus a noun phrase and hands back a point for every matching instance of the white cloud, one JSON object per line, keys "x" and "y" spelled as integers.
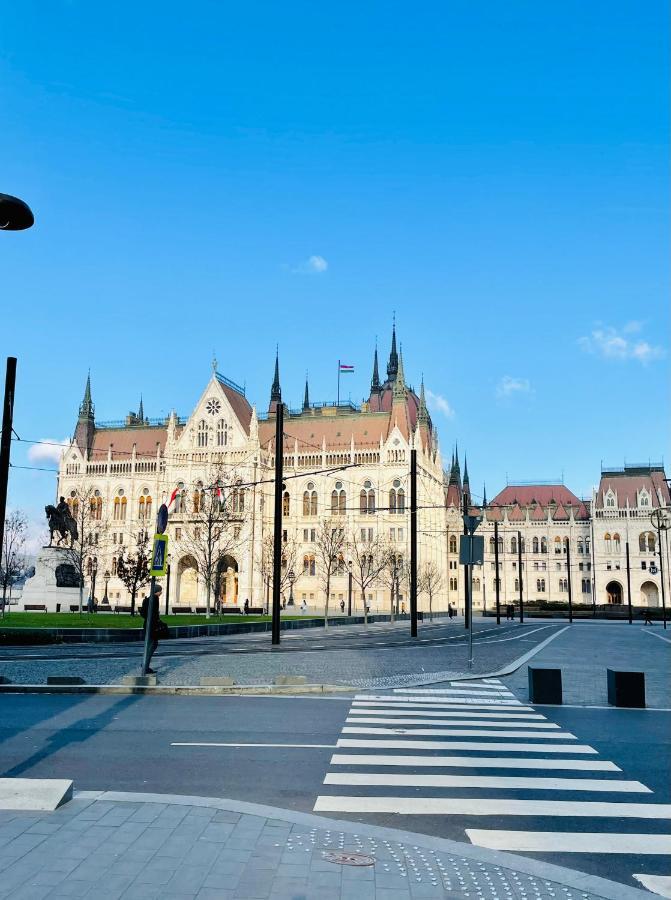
{"x": 437, "y": 401}
{"x": 313, "y": 265}
{"x": 508, "y": 386}
{"x": 611, "y": 343}
{"x": 48, "y": 450}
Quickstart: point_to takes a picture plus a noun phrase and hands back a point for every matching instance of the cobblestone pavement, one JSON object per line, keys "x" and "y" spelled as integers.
{"x": 585, "y": 650}
{"x": 372, "y": 665}
{"x": 139, "y": 847}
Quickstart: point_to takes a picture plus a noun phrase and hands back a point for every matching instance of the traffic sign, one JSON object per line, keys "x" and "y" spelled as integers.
{"x": 471, "y": 549}
{"x": 162, "y": 519}
{"x": 159, "y": 556}
{"x": 471, "y": 522}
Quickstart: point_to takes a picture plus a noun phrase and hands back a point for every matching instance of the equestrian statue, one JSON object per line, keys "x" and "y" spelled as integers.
{"x": 60, "y": 520}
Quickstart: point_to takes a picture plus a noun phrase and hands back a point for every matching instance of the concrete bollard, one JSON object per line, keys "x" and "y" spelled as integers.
{"x": 216, "y": 681}
{"x": 65, "y": 679}
{"x": 626, "y": 689}
{"x": 545, "y": 686}
{"x": 290, "y": 679}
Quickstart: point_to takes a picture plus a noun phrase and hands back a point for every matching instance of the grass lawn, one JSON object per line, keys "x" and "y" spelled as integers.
{"x": 111, "y": 620}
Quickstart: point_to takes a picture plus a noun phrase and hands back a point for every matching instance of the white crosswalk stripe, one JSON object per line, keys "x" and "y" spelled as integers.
{"x": 472, "y": 750}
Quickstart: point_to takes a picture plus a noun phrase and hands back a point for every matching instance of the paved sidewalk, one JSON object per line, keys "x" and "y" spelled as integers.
{"x": 141, "y": 846}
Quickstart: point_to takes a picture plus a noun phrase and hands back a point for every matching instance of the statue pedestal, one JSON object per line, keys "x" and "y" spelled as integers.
{"x": 53, "y": 584}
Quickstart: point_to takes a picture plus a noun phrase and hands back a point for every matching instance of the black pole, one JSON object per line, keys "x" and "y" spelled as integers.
{"x": 631, "y": 616}
{"x": 519, "y": 566}
{"x": 167, "y": 591}
{"x": 661, "y": 573}
{"x": 277, "y": 530}
{"x": 6, "y": 440}
{"x": 349, "y": 591}
{"x": 467, "y": 585}
{"x": 413, "y": 543}
{"x": 570, "y": 586}
{"x": 496, "y": 576}
{"x": 148, "y": 626}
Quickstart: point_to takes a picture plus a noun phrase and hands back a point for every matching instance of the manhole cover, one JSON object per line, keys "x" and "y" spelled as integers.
{"x": 349, "y": 859}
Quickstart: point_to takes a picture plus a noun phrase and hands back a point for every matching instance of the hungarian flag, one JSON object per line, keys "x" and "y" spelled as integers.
{"x": 344, "y": 370}
{"x": 172, "y": 497}
{"x": 220, "y": 494}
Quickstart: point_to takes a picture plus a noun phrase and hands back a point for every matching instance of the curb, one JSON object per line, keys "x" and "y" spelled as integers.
{"x": 170, "y": 689}
{"x": 610, "y": 890}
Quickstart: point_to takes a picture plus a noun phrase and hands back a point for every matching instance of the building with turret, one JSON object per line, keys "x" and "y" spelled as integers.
{"x": 342, "y": 462}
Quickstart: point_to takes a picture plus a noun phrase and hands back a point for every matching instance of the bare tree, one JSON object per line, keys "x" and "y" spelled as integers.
{"x": 393, "y": 575}
{"x": 12, "y": 558}
{"x": 430, "y": 582}
{"x": 82, "y": 553}
{"x": 329, "y": 546}
{"x": 369, "y": 559}
{"x": 133, "y": 569}
{"x": 214, "y": 521}
{"x": 265, "y": 562}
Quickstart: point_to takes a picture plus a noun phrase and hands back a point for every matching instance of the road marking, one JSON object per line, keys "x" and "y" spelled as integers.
{"x": 372, "y": 720}
{"x": 485, "y": 781}
{"x": 570, "y": 842}
{"x": 232, "y": 744}
{"x": 480, "y": 703}
{"x": 658, "y": 884}
{"x": 662, "y": 638}
{"x": 457, "y": 693}
{"x": 465, "y": 745}
{"x": 474, "y": 684}
{"x": 461, "y": 732}
{"x": 474, "y": 762}
{"x": 496, "y": 708}
{"x": 411, "y": 710}
{"x": 482, "y": 806}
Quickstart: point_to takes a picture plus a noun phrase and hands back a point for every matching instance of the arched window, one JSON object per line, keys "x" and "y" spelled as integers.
{"x": 400, "y": 501}
{"x": 238, "y": 501}
{"x": 580, "y": 546}
{"x": 610, "y": 500}
{"x": 222, "y": 433}
{"x": 535, "y": 545}
{"x": 198, "y": 498}
{"x": 114, "y": 565}
{"x": 340, "y": 565}
{"x": 89, "y": 566}
{"x": 492, "y": 544}
{"x": 309, "y": 567}
{"x": 74, "y": 505}
{"x": 367, "y": 498}
{"x": 513, "y": 545}
{"x": 285, "y": 503}
{"x": 644, "y": 499}
{"x": 517, "y": 584}
{"x": 338, "y": 500}
{"x": 538, "y": 584}
{"x": 647, "y": 542}
{"x": 392, "y": 501}
{"x": 476, "y": 584}
{"x": 202, "y": 433}
{"x": 147, "y": 507}
{"x": 140, "y": 509}
{"x": 310, "y": 500}
{"x": 96, "y": 506}
{"x": 522, "y": 547}
{"x": 607, "y": 542}
{"x": 558, "y": 546}
{"x": 117, "y": 508}
{"x": 544, "y": 545}
{"x": 453, "y": 543}
{"x": 180, "y": 499}
{"x": 616, "y": 543}
{"x": 124, "y": 507}
{"x": 565, "y": 545}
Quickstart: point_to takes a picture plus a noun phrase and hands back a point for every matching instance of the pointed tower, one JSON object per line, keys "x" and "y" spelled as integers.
{"x": 422, "y": 412}
{"x": 140, "y": 412}
{"x": 86, "y": 426}
{"x": 392, "y": 365}
{"x": 306, "y": 398}
{"x": 375, "y": 381}
{"x": 399, "y": 390}
{"x": 457, "y": 468}
{"x": 484, "y": 495}
{"x": 467, "y": 485}
{"x": 275, "y": 390}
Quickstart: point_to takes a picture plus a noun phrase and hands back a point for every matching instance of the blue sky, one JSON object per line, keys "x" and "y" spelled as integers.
{"x": 494, "y": 172}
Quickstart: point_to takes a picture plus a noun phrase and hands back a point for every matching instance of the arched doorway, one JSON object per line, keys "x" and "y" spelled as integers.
{"x": 649, "y": 594}
{"x": 226, "y": 588}
{"x": 187, "y": 581}
{"x": 614, "y": 592}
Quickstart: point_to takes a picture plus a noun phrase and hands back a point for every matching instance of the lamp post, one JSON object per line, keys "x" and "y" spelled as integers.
{"x": 107, "y": 577}
{"x": 292, "y": 579}
{"x": 662, "y": 522}
{"x": 94, "y": 572}
{"x": 349, "y": 587}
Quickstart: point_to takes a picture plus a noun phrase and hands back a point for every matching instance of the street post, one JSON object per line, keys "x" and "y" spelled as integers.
{"x": 471, "y": 552}
{"x": 413, "y": 543}
{"x": 159, "y": 563}
{"x": 519, "y": 566}
{"x": 570, "y": 585}
{"x": 277, "y": 525}
{"x": 497, "y": 582}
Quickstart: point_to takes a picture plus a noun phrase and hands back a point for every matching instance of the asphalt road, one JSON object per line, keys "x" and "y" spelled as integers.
{"x": 278, "y": 751}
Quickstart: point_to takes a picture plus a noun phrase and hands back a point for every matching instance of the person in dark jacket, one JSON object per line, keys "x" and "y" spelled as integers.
{"x": 155, "y": 622}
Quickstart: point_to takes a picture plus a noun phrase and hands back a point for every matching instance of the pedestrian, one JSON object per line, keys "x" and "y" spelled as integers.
{"x": 646, "y": 614}
{"x": 155, "y": 622}
{"x": 304, "y": 606}
{"x": 245, "y": 607}
{"x": 450, "y": 610}
{"x": 342, "y": 606}
{"x": 403, "y": 608}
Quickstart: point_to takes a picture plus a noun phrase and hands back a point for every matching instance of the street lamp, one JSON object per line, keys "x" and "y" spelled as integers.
{"x": 662, "y": 522}
{"x": 349, "y": 588}
{"x": 292, "y": 578}
{"x": 94, "y": 572}
{"x": 15, "y": 215}
{"x": 107, "y": 577}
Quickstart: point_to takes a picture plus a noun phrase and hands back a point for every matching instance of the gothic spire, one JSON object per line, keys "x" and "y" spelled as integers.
{"x": 86, "y": 408}
{"x": 140, "y": 412}
{"x": 399, "y": 384}
{"x": 375, "y": 382}
{"x": 276, "y": 391}
{"x": 306, "y": 398}
{"x": 422, "y": 414}
{"x": 484, "y": 495}
{"x": 465, "y": 470}
{"x": 392, "y": 365}
{"x": 457, "y": 467}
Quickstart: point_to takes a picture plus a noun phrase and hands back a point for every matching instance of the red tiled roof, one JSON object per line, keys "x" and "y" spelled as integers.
{"x": 627, "y": 488}
{"x": 453, "y": 497}
{"x": 560, "y": 514}
{"x": 123, "y": 439}
{"x": 516, "y": 514}
{"x": 540, "y": 493}
{"x": 239, "y": 404}
{"x": 311, "y": 430}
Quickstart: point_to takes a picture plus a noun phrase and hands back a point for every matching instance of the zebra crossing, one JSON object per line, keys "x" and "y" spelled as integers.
{"x": 480, "y": 760}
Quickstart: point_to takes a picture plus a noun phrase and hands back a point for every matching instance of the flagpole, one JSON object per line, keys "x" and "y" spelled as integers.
{"x": 338, "y": 400}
